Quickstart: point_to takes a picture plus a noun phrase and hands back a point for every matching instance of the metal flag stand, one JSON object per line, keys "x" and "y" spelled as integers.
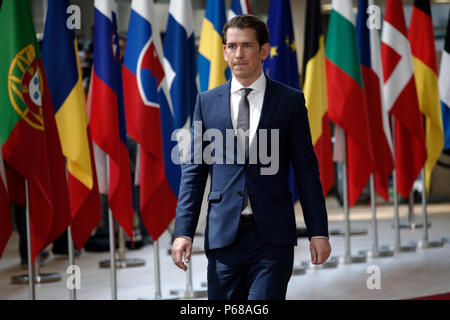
{"x": 158, "y": 275}
{"x": 189, "y": 292}
{"x": 425, "y": 243}
{"x": 73, "y": 291}
{"x": 122, "y": 261}
{"x": 375, "y": 252}
{"x": 33, "y": 277}
{"x": 398, "y": 247}
{"x": 347, "y": 258}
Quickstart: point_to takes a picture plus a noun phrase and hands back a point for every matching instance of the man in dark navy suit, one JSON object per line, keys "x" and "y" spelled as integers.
{"x": 251, "y": 230}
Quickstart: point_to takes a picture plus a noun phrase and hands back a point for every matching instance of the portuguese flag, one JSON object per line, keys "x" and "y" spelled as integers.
{"x": 28, "y": 134}
{"x": 421, "y": 39}
{"x": 346, "y": 102}
{"x": 315, "y": 90}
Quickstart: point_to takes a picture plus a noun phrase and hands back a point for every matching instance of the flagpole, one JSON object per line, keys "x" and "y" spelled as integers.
{"x": 31, "y": 287}
{"x": 347, "y": 258}
{"x": 189, "y": 292}
{"x": 376, "y": 252}
{"x": 33, "y": 276}
{"x": 398, "y": 246}
{"x": 122, "y": 261}
{"x": 73, "y": 291}
{"x": 157, "y": 271}
{"x": 426, "y": 243}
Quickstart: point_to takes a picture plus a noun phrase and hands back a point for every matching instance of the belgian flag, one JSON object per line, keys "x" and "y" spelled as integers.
{"x": 421, "y": 38}
{"x": 315, "y": 90}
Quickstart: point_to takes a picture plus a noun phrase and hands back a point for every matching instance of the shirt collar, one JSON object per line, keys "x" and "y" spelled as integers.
{"x": 258, "y": 85}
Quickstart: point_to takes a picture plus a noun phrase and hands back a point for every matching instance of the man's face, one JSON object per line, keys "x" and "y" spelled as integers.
{"x": 243, "y": 53}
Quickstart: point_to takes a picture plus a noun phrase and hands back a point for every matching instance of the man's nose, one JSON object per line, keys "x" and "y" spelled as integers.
{"x": 239, "y": 52}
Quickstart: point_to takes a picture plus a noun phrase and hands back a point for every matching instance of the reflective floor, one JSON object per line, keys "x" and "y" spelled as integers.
{"x": 401, "y": 276}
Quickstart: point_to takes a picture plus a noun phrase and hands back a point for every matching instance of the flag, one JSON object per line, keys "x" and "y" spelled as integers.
{"x": 150, "y": 118}
{"x": 212, "y": 68}
{"x": 5, "y": 213}
{"x": 238, "y": 7}
{"x": 401, "y": 100}
{"x": 347, "y": 107}
{"x": 107, "y": 123}
{"x": 179, "y": 61}
{"x": 370, "y": 56}
{"x": 444, "y": 86}
{"x": 421, "y": 39}
{"x": 315, "y": 90}
{"x": 60, "y": 59}
{"x": 281, "y": 64}
{"x": 28, "y": 131}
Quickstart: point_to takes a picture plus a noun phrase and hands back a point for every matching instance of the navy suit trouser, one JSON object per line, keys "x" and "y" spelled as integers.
{"x": 250, "y": 268}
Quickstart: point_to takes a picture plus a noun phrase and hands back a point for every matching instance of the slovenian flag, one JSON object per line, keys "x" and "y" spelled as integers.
{"x": 150, "y": 118}
{"x": 238, "y": 7}
{"x": 107, "y": 123}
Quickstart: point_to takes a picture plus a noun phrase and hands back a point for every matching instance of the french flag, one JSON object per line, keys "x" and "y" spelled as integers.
{"x": 370, "y": 56}
{"x": 108, "y": 127}
{"x": 238, "y": 7}
{"x": 150, "y": 119}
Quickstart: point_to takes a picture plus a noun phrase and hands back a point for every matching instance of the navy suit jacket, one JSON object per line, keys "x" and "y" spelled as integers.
{"x": 270, "y": 197}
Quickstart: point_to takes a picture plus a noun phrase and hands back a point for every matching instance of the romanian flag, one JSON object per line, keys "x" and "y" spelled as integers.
{"x": 28, "y": 130}
{"x": 5, "y": 213}
{"x": 150, "y": 118}
{"x": 212, "y": 68}
{"x": 315, "y": 90}
{"x": 421, "y": 39}
{"x": 346, "y": 102}
{"x": 370, "y": 55}
{"x": 444, "y": 86}
{"x": 60, "y": 58}
{"x": 401, "y": 99}
{"x": 107, "y": 123}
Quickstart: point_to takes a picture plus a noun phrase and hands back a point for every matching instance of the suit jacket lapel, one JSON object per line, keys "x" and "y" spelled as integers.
{"x": 223, "y": 104}
{"x": 269, "y": 104}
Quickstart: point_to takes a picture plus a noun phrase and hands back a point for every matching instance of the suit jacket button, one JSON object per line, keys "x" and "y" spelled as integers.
{"x": 239, "y": 193}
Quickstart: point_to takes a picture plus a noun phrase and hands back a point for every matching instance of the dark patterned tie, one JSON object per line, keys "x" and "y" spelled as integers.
{"x": 243, "y": 122}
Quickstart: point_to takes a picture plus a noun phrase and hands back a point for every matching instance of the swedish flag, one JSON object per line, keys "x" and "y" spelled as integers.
{"x": 212, "y": 68}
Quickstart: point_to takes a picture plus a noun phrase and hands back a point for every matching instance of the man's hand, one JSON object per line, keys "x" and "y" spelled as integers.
{"x": 320, "y": 250}
{"x": 180, "y": 246}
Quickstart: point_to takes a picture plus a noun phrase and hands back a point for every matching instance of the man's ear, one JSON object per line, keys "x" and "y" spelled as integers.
{"x": 265, "y": 50}
{"x": 224, "y": 54}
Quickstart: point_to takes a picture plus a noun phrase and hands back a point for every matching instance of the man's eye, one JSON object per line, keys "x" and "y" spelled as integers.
{"x": 231, "y": 46}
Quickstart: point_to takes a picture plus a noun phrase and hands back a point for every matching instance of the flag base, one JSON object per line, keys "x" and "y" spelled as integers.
{"x": 299, "y": 270}
{"x": 411, "y": 247}
{"x": 329, "y": 264}
{"x": 189, "y": 294}
{"x": 384, "y": 252}
{"x": 412, "y": 225}
{"x": 353, "y": 232}
{"x": 430, "y": 244}
{"x": 123, "y": 263}
{"x": 347, "y": 259}
{"x": 41, "y": 278}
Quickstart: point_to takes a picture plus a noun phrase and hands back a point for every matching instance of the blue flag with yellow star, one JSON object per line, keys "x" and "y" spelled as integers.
{"x": 281, "y": 65}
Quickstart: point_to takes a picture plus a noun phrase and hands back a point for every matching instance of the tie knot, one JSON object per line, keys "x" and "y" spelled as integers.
{"x": 246, "y": 91}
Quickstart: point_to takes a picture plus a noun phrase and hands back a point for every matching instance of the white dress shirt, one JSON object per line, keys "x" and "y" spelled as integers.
{"x": 255, "y": 99}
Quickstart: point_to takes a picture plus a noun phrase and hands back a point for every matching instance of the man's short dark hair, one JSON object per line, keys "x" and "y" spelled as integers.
{"x": 248, "y": 21}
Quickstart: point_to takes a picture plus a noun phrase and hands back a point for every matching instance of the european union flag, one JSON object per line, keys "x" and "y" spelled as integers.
{"x": 281, "y": 64}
